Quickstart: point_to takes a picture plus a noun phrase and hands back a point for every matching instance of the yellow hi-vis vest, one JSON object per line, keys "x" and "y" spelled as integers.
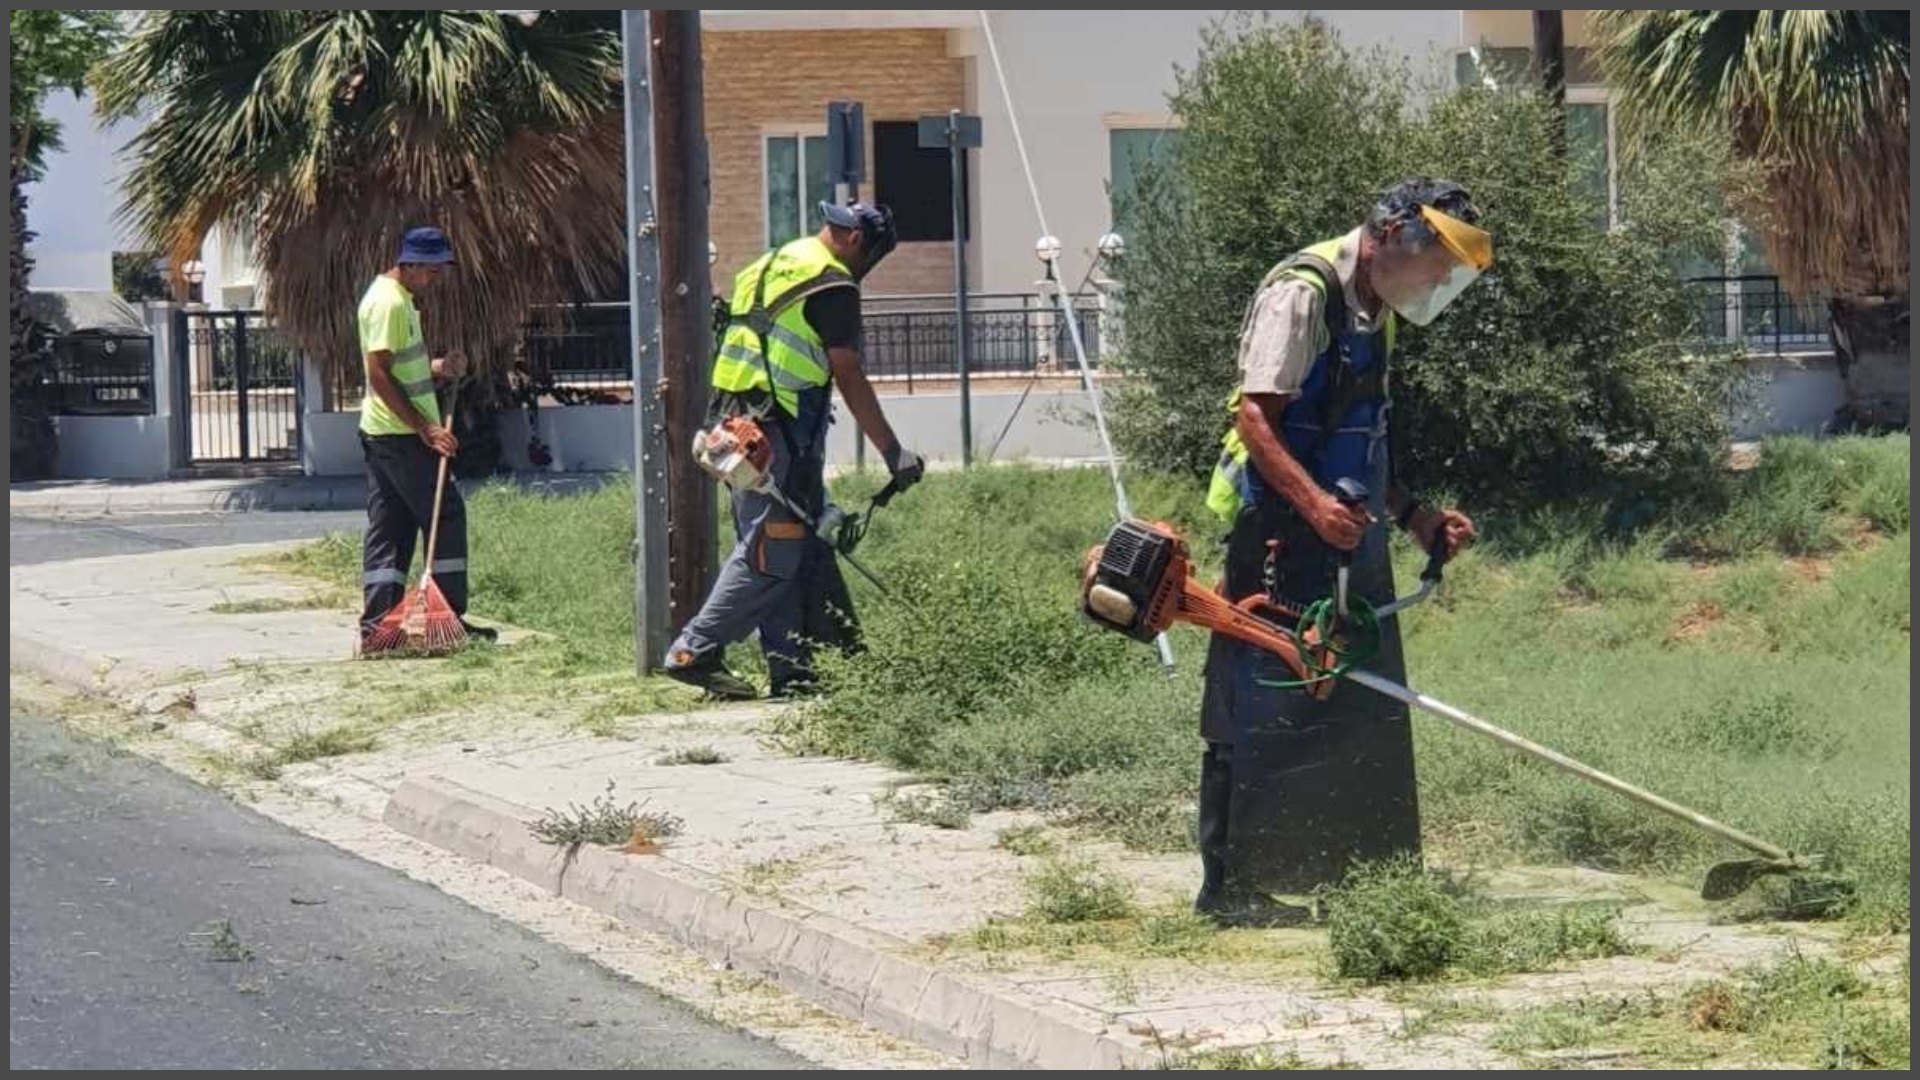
{"x": 1226, "y": 492}
{"x": 769, "y": 345}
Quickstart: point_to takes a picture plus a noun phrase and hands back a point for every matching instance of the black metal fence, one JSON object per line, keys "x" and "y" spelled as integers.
{"x": 912, "y": 339}
{"x": 1755, "y": 313}
{"x": 101, "y": 374}
{"x": 581, "y": 347}
{"x": 906, "y": 339}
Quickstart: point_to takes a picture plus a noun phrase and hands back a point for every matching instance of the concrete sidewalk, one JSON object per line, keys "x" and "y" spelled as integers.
{"x": 800, "y": 870}
{"x": 94, "y": 498}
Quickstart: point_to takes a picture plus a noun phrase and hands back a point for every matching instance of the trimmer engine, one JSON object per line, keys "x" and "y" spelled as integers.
{"x": 736, "y": 452}
{"x": 1141, "y": 581}
{"x": 1132, "y": 582}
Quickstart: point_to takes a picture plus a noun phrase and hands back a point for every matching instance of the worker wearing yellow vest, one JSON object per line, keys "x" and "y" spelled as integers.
{"x": 793, "y": 335}
{"x": 1294, "y": 790}
{"x": 403, "y": 437}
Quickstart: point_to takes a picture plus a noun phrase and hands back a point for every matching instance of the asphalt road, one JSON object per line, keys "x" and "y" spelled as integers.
{"x": 155, "y": 924}
{"x": 36, "y": 540}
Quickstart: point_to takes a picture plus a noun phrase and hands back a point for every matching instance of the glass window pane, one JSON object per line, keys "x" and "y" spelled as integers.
{"x": 783, "y": 190}
{"x": 1129, "y": 150}
{"x": 818, "y": 189}
{"x": 1587, "y": 153}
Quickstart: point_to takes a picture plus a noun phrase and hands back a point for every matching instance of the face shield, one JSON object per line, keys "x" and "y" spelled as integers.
{"x": 1429, "y": 278}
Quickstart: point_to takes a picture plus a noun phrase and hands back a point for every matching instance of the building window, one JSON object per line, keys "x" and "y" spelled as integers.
{"x": 1590, "y": 151}
{"x": 1129, "y": 151}
{"x": 915, "y": 183}
{"x": 796, "y": 185}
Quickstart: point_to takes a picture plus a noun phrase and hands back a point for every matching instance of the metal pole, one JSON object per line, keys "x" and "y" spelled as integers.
{"x": 651, "y": 625}
{"x": 242, "y": 384}
{"x": 957, "y": 158}
{"x": 686, "y": 324}
{"x": 843, "y": 195}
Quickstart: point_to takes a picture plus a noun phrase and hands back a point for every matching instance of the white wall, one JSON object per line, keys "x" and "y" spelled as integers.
{"x": 1070, "y": 72}
{"x": 73, "y": 206}
{"x": 1793, "y": 395}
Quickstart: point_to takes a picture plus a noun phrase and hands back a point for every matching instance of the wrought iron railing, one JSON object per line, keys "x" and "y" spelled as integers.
{"x": 1755, "y": 313}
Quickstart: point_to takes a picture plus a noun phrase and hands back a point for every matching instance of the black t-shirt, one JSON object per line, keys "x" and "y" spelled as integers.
{"x": 835, "y": 316}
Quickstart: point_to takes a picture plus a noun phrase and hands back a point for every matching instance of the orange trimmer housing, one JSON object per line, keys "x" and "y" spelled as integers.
{"x": 1140, "y": 582}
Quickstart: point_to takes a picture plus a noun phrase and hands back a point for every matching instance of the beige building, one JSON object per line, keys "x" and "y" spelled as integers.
{"x": 1089, "y": 90}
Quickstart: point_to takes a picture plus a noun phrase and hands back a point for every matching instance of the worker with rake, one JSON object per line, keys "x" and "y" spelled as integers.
{"x": 407, "y": 446}
{"x": 793, "y": 335}
{"x": 1297, "y": 786}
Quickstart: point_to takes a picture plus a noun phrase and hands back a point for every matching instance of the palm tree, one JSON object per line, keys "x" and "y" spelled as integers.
{"x": 1818, "y": 99}
{"x": 323, "y": 135}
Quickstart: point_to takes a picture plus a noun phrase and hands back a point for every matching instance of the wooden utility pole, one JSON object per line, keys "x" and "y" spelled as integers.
{"x": 652, "y": 631}
{"x": 686, "y": 299}
{"x": 1550, "y": 67}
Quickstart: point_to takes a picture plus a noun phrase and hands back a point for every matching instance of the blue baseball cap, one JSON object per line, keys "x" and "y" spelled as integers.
{"x": 425, "y": 244}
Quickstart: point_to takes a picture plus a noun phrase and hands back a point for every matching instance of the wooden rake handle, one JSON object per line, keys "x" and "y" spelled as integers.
{"x": 439, "y": 489}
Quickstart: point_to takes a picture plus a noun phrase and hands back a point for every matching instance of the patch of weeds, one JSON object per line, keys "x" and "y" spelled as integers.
{"x": 1439, "y": 1014}
{"x": 1077, "y": 891}
{"x": 1122, "y": 987}
{"x": 939, "y": 810}
{"x": 1810, "y": 1010}
{"x": 1144, "y": 811}
{"x": 331, "y": 742}
{"x": 222, "y": 943}
{"x": 260, "y": 766}
{"x": 692, "y": 755}
{"x": 767, "y": 876}
{"x": 605, "y": 822}
{"x": 1394, "y": 921}
{"x": 263, "y": 605}
{"x": 1025, "y": 840}
{"x": 1764, "y": 995}
{"x": 1865, "y": 1039}
{"x": 1177, "y": 932}
{"x": 602, "y": 724}
{"x": 1508, "y": 940}
{"x": 1555, "y": 1027}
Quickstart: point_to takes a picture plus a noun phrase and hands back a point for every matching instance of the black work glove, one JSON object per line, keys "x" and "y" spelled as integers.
{"x": 905, "y": 466}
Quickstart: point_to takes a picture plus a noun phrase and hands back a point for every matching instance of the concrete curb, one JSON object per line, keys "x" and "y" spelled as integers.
{"x": 230, "y": 500}
{"x": 55, "y": 663}
{"x": 242, "y": 496}
{"x": 857, "y": 973}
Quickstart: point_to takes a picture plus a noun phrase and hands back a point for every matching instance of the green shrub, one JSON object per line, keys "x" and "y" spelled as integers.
{"x": 1561, "y": 371}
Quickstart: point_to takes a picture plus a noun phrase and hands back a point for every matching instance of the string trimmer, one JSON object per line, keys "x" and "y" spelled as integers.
{"x": 736, "y": 452}
{"x": 1140, "y": 582}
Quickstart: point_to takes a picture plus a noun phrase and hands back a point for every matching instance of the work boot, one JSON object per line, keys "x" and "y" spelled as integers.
{"x": 480, "y": 633}
{"x": 1224, "y": 898}
{"x": 708, "y": 673}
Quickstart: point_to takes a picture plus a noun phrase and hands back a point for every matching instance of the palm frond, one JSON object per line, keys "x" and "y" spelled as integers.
{"x": 1818, "y": 98}
{"x": 326, "y": 134}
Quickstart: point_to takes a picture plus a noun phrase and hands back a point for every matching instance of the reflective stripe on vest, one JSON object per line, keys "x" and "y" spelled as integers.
{"x": 795, "y": 355}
